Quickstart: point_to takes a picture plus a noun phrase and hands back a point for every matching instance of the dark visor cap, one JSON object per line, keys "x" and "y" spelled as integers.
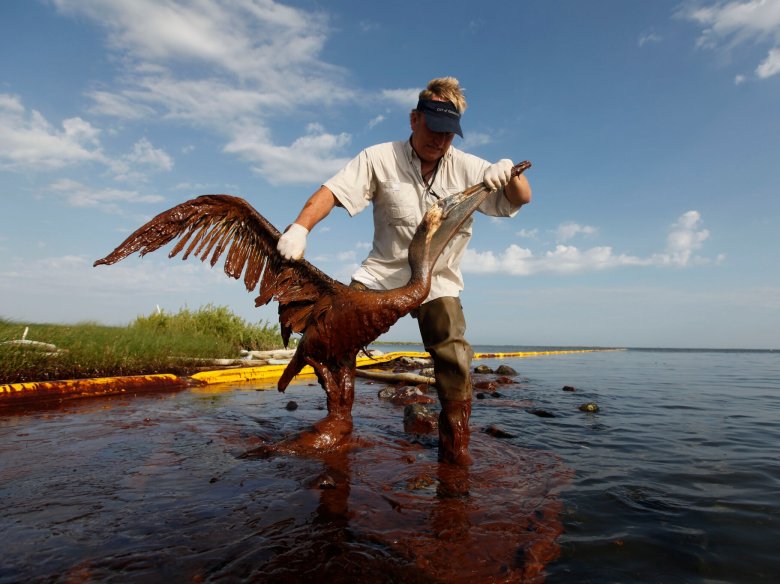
{"x": 440, "y": 116}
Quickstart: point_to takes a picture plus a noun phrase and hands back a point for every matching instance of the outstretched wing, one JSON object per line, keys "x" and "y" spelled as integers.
{"x": 211, "y": 224}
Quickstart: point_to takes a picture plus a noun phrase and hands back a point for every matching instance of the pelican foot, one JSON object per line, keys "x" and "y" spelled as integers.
{"x": 333, "y": 432}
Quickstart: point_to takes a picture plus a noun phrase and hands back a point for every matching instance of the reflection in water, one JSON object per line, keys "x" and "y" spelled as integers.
{"x": 389, "y": 508}
{"x": 154, "y": 488}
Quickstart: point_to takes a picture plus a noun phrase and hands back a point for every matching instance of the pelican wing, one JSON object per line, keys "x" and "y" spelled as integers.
{"x": 211, "y": 225}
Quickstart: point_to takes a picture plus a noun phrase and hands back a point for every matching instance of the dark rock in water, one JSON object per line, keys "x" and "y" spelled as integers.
{"x": 541, "y": 413}
{"x": 497, "y": 432}
{"x": 405, "y": 395}
{"x": 291, "y": 406}
{"x": 483, "y": 395}
{"x": 482, "y": 369}
{"x": 589, "y": 407}
{"x": 386, "y": 392}
{"x": 568, "y": 388}
{"x": 486, "y": 385}
{"x": 422, "y": 481}
{"x": 419, "y": 420}
{"x": 504, "y": 380}
{"x": 505, "y": 370}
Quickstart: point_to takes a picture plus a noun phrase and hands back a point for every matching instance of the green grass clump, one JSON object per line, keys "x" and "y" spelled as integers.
{"x": 158, "y": 343}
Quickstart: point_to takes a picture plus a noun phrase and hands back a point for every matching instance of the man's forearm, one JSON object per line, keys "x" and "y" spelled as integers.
{"x": 518, "y": 191}
{"x": 319, "y": 205}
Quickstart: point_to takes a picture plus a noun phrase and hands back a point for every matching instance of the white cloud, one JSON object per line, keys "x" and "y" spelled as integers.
{"x": 347, "y": 256}
{"x": 79, "y": 195}
{"x": 568, "y": 230}
{"x": 474, "y": 140}
{"x": 148, "y": 276}
{"x": 118, "y": 106}
{"x": 405, "y": 98}
{"x": 648, "y": 37}
{"x": 769, "y": 66}
{"x": 29, "y": 141}
{"x": 729, "y": 24}
{"x": 309, "y": 158}
{"x": 239, "y": 65}
{"x": 528, "y": 233}
{"x": 564, "y": 259}
{"x": 685, "y": 237}
{"x": 146, "y": 154}
{"x": 375, "y": 121}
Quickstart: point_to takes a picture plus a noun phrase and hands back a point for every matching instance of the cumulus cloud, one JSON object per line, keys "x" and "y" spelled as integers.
{"x": 728, "y": 24}
{"x": 564, "y": 259}
{"x": 308, "y": 158}
{"x": 771, "y": 65}
{"x": 685, "y": 237}
{"x": 29, "y": 141}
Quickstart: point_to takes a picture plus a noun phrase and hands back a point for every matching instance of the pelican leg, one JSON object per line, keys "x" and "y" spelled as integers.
{"x": 339, "y": 385}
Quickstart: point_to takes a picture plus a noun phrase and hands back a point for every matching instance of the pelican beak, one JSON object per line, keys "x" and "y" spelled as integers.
{"x": 456, "y": 209}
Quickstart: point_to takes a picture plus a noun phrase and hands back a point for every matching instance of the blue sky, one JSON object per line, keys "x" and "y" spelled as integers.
{"x": 653, "y": 127}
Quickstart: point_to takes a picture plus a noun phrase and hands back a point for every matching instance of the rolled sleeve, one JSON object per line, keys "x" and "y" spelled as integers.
{"x": 352, "y": 185}
{"x": 497, "y": 205}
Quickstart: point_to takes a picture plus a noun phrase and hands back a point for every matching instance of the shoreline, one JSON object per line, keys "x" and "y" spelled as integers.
{"x": 22, "y": 394}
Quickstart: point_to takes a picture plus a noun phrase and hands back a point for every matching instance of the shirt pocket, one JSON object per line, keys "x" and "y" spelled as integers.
{"x": 400, "y": 204}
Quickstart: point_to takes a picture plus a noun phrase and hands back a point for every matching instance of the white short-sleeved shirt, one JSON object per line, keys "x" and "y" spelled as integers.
{"x": 388, "y": 176}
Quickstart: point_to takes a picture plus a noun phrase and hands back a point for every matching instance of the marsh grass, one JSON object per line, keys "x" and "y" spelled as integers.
{"x": 158, "y": 343}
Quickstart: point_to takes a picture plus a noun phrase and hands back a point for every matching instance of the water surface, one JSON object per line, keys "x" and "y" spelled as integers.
{"x": 675, "y": 479}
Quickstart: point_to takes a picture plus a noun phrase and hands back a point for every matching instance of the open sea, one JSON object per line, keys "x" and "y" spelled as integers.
{"x": 676, "y": 479}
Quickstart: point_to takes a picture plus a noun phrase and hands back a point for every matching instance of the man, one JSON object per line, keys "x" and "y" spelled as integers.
{"x": 402, "y": 180}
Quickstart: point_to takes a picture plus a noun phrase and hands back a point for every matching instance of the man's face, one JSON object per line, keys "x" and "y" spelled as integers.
{"x": 430, "y": 146}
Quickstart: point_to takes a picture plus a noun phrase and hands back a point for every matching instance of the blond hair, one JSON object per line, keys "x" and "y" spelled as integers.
{"x": 446, "y": 88}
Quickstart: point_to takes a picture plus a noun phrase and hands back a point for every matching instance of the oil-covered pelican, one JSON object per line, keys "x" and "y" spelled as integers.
{"x": 336, "y": 321}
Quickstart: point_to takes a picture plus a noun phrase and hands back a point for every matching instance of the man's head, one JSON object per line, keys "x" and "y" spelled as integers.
{"x": 436, "y": 119}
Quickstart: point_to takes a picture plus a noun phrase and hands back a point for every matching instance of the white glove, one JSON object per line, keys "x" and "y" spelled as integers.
{"x": 292, "y": 243}
{"x": 498, "y": 175}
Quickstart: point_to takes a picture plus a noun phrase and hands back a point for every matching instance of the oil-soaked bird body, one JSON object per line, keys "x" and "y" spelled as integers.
{"x": 335, "y": 320}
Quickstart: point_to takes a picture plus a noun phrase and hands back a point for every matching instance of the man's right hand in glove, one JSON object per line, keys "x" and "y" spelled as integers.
{"x": 292, "y": 243}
